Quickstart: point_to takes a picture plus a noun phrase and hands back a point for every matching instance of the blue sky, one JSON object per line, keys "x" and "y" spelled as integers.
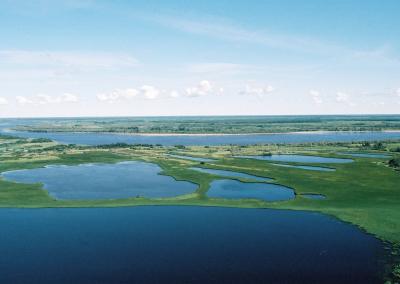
{"x": 88, "y": 58}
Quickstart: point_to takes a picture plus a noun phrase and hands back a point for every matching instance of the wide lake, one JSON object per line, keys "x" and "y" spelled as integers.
{"x": 284, "y": 138}
{"x": 181, "y": 245}
{"x": 103, "y": 181}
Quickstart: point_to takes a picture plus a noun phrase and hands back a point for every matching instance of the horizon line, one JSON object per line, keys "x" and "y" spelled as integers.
{"x": 202, "y": 116}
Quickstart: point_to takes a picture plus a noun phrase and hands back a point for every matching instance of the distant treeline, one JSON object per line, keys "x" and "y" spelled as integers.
{"x": 228, "y": 125}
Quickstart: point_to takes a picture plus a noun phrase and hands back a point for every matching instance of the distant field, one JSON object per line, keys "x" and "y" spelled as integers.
{"x": 213, "y": 124}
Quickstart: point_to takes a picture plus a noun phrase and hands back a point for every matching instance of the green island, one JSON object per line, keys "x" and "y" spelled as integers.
{"x": 365, "y": 193}
{"x": 216, "y": 124}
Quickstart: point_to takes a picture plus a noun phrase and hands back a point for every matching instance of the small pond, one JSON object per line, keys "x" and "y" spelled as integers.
{"x": 196, "y": 159}
{"x": 233, "y": 174}
{"x": 310, "y": 168}
{"x": 367, "y": 155}
{"x": 313, "y": 196}
{"x": 103, "y": 181}
{"x": 299, "y": 159}
{"x": 233, "y": 189}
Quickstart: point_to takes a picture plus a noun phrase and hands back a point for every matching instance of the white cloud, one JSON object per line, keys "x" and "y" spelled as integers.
{"x": 174, "y": 94}
{"x": 202, "y": 89}
{"x": 68, "y": 97}
{"x": 3, "y": 101}
{"x": 45, "y": 99}
{"x": 316, "y": 96}
{"x": 42, "y": 99}
{"x": 23, "y": 100}
{"x": 342, "y": 97}
{"x": 257, "y": 91}
{"x": 118, "y": 94}
{"x": 107, "y": 97}
{"x": 398, "y": 92}
{"x": 146, "y": 91}
{"x": 149, "y": 92}
{"x": 67, "y": 59}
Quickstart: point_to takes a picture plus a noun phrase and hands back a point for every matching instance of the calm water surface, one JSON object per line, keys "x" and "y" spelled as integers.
{"x": 196, "y": 159}
{"x": 314, "y": 196}
{"x": 310, "y": 168}
{"x": 367, "y": 155}
{"x": 284, "y": 138}
{"x": 233, "y": 189}
{"x": 183, "y": 245}
{"x": 103, "y": 181}
{"x": 299, "y": 159}
{"x": 226, "y": 173}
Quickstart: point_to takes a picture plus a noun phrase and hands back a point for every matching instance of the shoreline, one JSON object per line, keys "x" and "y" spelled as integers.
{"x": 255, "y": 133}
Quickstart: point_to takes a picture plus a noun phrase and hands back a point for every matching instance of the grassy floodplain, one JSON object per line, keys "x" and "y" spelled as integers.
{"x": 365, "y": 193}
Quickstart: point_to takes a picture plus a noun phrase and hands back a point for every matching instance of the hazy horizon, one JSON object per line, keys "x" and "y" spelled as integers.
{"x": 203, "y": 116}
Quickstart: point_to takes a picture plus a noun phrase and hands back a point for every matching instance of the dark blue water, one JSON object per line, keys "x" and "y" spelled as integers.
{"x": 299, "y": 159}
{"x": 103, "y": 181}
{"x": 310, "y": 168}
{"x": 233, "y": 189}
{"x": 182, "y": 245}
{"x": 196, "y": 159}
{"x": 284, "y": 138}
{"x": 233, "y": 174}
{"x": 367, "y": 155}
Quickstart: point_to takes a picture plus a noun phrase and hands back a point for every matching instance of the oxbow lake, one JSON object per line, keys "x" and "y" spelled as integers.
{"x": 233, "y": 189}
{"x": 183, "y": 245}
{"x": 232, "y": 174}
{"x": 299, "y": 159}
{"x": 196, "y": 159}
{"x": 367, "y": 155}
{"x": 313, "y": 196}
{"x": 309, "y": 168}
{"x": 103, "y": 181}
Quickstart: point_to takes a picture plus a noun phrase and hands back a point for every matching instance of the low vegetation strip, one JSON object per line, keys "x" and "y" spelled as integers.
{"x": 227, "y": 125}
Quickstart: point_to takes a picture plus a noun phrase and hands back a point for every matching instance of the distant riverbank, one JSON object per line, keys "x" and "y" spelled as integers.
{"x": 203, "y": 134}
